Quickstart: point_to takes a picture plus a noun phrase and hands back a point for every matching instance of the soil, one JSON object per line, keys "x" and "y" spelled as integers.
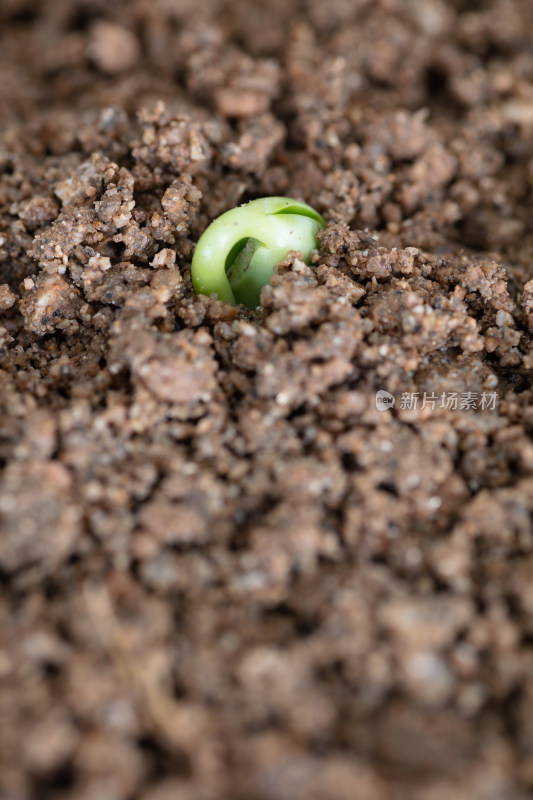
{"x": 226, "y": 574}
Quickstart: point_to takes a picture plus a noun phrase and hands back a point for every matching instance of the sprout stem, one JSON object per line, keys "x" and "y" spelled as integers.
{"x": 236, "y": 255}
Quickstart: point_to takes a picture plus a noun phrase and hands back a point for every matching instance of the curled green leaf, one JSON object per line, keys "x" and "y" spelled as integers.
{"x": 236, "y": 255}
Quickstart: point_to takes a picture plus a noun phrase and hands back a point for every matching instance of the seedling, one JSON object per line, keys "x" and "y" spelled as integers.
{"x": 236, "y": 255}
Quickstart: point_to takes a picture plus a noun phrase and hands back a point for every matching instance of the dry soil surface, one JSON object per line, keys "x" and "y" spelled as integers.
{"x": 225, "y": 573}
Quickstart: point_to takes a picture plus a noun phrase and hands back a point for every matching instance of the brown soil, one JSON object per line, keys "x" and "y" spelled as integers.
{"x": 225, "y": 574}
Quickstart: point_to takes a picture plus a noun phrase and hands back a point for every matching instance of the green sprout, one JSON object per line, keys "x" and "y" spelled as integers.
{"x": 235, "y": 257}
